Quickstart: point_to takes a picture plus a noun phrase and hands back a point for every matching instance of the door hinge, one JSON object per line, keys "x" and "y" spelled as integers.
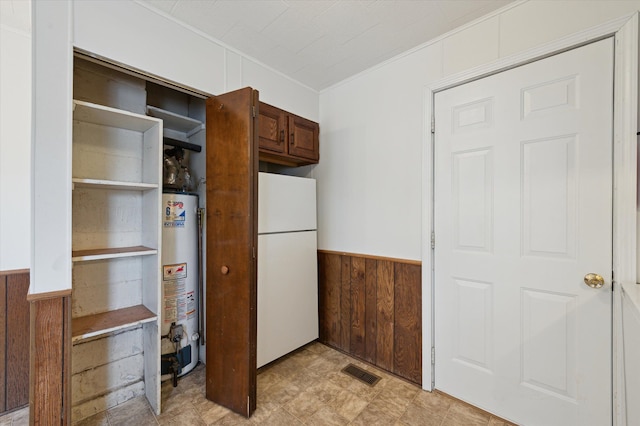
{"x": 433, "y": 355}
{"x": 433, "y": 124}
{"x": 253, "y": 111}
{"x": 433, "y": 240}
{"x": 253, "y": 251}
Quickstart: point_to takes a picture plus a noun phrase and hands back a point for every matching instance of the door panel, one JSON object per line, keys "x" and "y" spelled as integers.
{"x": 288, "y": 293}
{"x": 472, "y": 191}
{"x": 232, "y": 173}
{"x": 303, "y": 138}
{"x": 523, "y": 196}
{"x": 272, "y": 125}
{"x": 549, "y": 197}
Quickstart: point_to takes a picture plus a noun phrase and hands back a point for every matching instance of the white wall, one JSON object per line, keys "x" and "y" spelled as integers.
{"x": 369, "y": 175}
{"x": 373, "y": 125}
{"x": 15, "y": 134}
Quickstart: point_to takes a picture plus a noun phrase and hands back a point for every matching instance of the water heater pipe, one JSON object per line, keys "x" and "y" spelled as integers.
{"x": 200, "y": 277}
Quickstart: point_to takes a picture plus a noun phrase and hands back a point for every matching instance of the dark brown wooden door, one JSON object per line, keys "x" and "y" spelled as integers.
{"x": 272, "y": 131}
{"x": 303, "y": 137}
{"x": 232, "y": 183}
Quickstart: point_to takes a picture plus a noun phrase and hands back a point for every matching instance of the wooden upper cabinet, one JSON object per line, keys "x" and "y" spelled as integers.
{"x": 303, "y": 138}
{"x": 272, "y": 129}
{"x": 286, "y": 138}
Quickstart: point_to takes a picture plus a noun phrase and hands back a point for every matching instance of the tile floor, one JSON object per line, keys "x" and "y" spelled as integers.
{"x": 16, "y": 418}
{"x": 304, "y": 388}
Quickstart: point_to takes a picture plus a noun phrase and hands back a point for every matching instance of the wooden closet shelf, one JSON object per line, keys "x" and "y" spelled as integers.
{"x": 111, "y": 253}
{"x": 106, "y": 322}
{"x": 112, "y": 117}
{"x": 112, "y": 184}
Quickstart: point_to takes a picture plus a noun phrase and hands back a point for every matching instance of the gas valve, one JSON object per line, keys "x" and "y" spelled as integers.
{"x": 176, "y": 332}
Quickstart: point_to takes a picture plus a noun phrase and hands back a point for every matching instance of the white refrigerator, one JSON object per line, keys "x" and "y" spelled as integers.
{"x": 287, "y": 265}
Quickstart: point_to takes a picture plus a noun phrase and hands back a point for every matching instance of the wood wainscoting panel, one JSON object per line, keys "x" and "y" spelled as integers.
{"x": 358, "y": 311}
{"x": 345, "y": 304}
{"x": 17, "y": 338}
{"x": 3, "y": 348}
{"x": 329, "y": 272}
{"x": 386, "y": 313}
{"x": 14, "y": 334}
{"x": 371, "y": 308}
{"x": 50, "y": 342}
{"x": 407, "y": 346}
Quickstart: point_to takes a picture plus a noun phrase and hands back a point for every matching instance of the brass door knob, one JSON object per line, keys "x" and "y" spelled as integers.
{"x": 593, "y": 280}
{"x": 224, "y": 270}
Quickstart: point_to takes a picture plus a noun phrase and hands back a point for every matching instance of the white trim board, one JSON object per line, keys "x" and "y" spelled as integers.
{"x": 625, "y": 32}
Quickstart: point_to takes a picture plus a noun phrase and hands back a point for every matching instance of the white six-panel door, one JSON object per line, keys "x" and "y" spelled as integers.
{"x": 522, "y": 211}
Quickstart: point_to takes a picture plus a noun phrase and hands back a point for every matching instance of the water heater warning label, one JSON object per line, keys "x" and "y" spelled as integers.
{"x": 176, "y": 299}
{"x": 174, "y": 272}
{"x": 174, "y": 214}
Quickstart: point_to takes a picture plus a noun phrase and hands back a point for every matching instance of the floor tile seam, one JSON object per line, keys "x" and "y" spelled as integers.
{"x": 293, "y": 415}
{"x": 333, "y": 398}
{"x": 150, "y": 410}
{"x": 465, "y": 404}
{"x": 328, "y": 405}
{"x": 200, "y": 413}
{"x": 193, "y": 407}
{"x": 397, "y": 419}
{"x": 411, "y": 400}
{"x": 415, "y": 403}
{"x": 415, "y": 396}
{"x": 367, "y": 400}
{"x": 446, "y": 414}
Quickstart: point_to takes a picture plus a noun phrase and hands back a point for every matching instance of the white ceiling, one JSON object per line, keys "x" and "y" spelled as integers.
{"x": 322, "y": 42}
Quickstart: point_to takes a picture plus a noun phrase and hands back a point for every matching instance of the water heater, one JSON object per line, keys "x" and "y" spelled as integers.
{"x": 180, "y": 271}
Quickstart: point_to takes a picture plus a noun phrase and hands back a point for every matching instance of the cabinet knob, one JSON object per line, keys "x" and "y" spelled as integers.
{"x": 224, "y": 270}
{"x": 281, "y": 136}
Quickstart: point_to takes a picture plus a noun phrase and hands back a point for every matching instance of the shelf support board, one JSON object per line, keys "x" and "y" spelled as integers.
{"x": 106, "y": 322}
{"x": 181, "y": 144}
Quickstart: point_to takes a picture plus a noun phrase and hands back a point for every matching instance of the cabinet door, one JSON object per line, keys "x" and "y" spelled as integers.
{"x": 303, "y": 138}
{"x": 272, "y": 129}
{"x": 232, "y": 174}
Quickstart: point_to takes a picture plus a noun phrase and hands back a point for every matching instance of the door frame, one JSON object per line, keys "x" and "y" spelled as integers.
{"x": 624, "y": 30}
